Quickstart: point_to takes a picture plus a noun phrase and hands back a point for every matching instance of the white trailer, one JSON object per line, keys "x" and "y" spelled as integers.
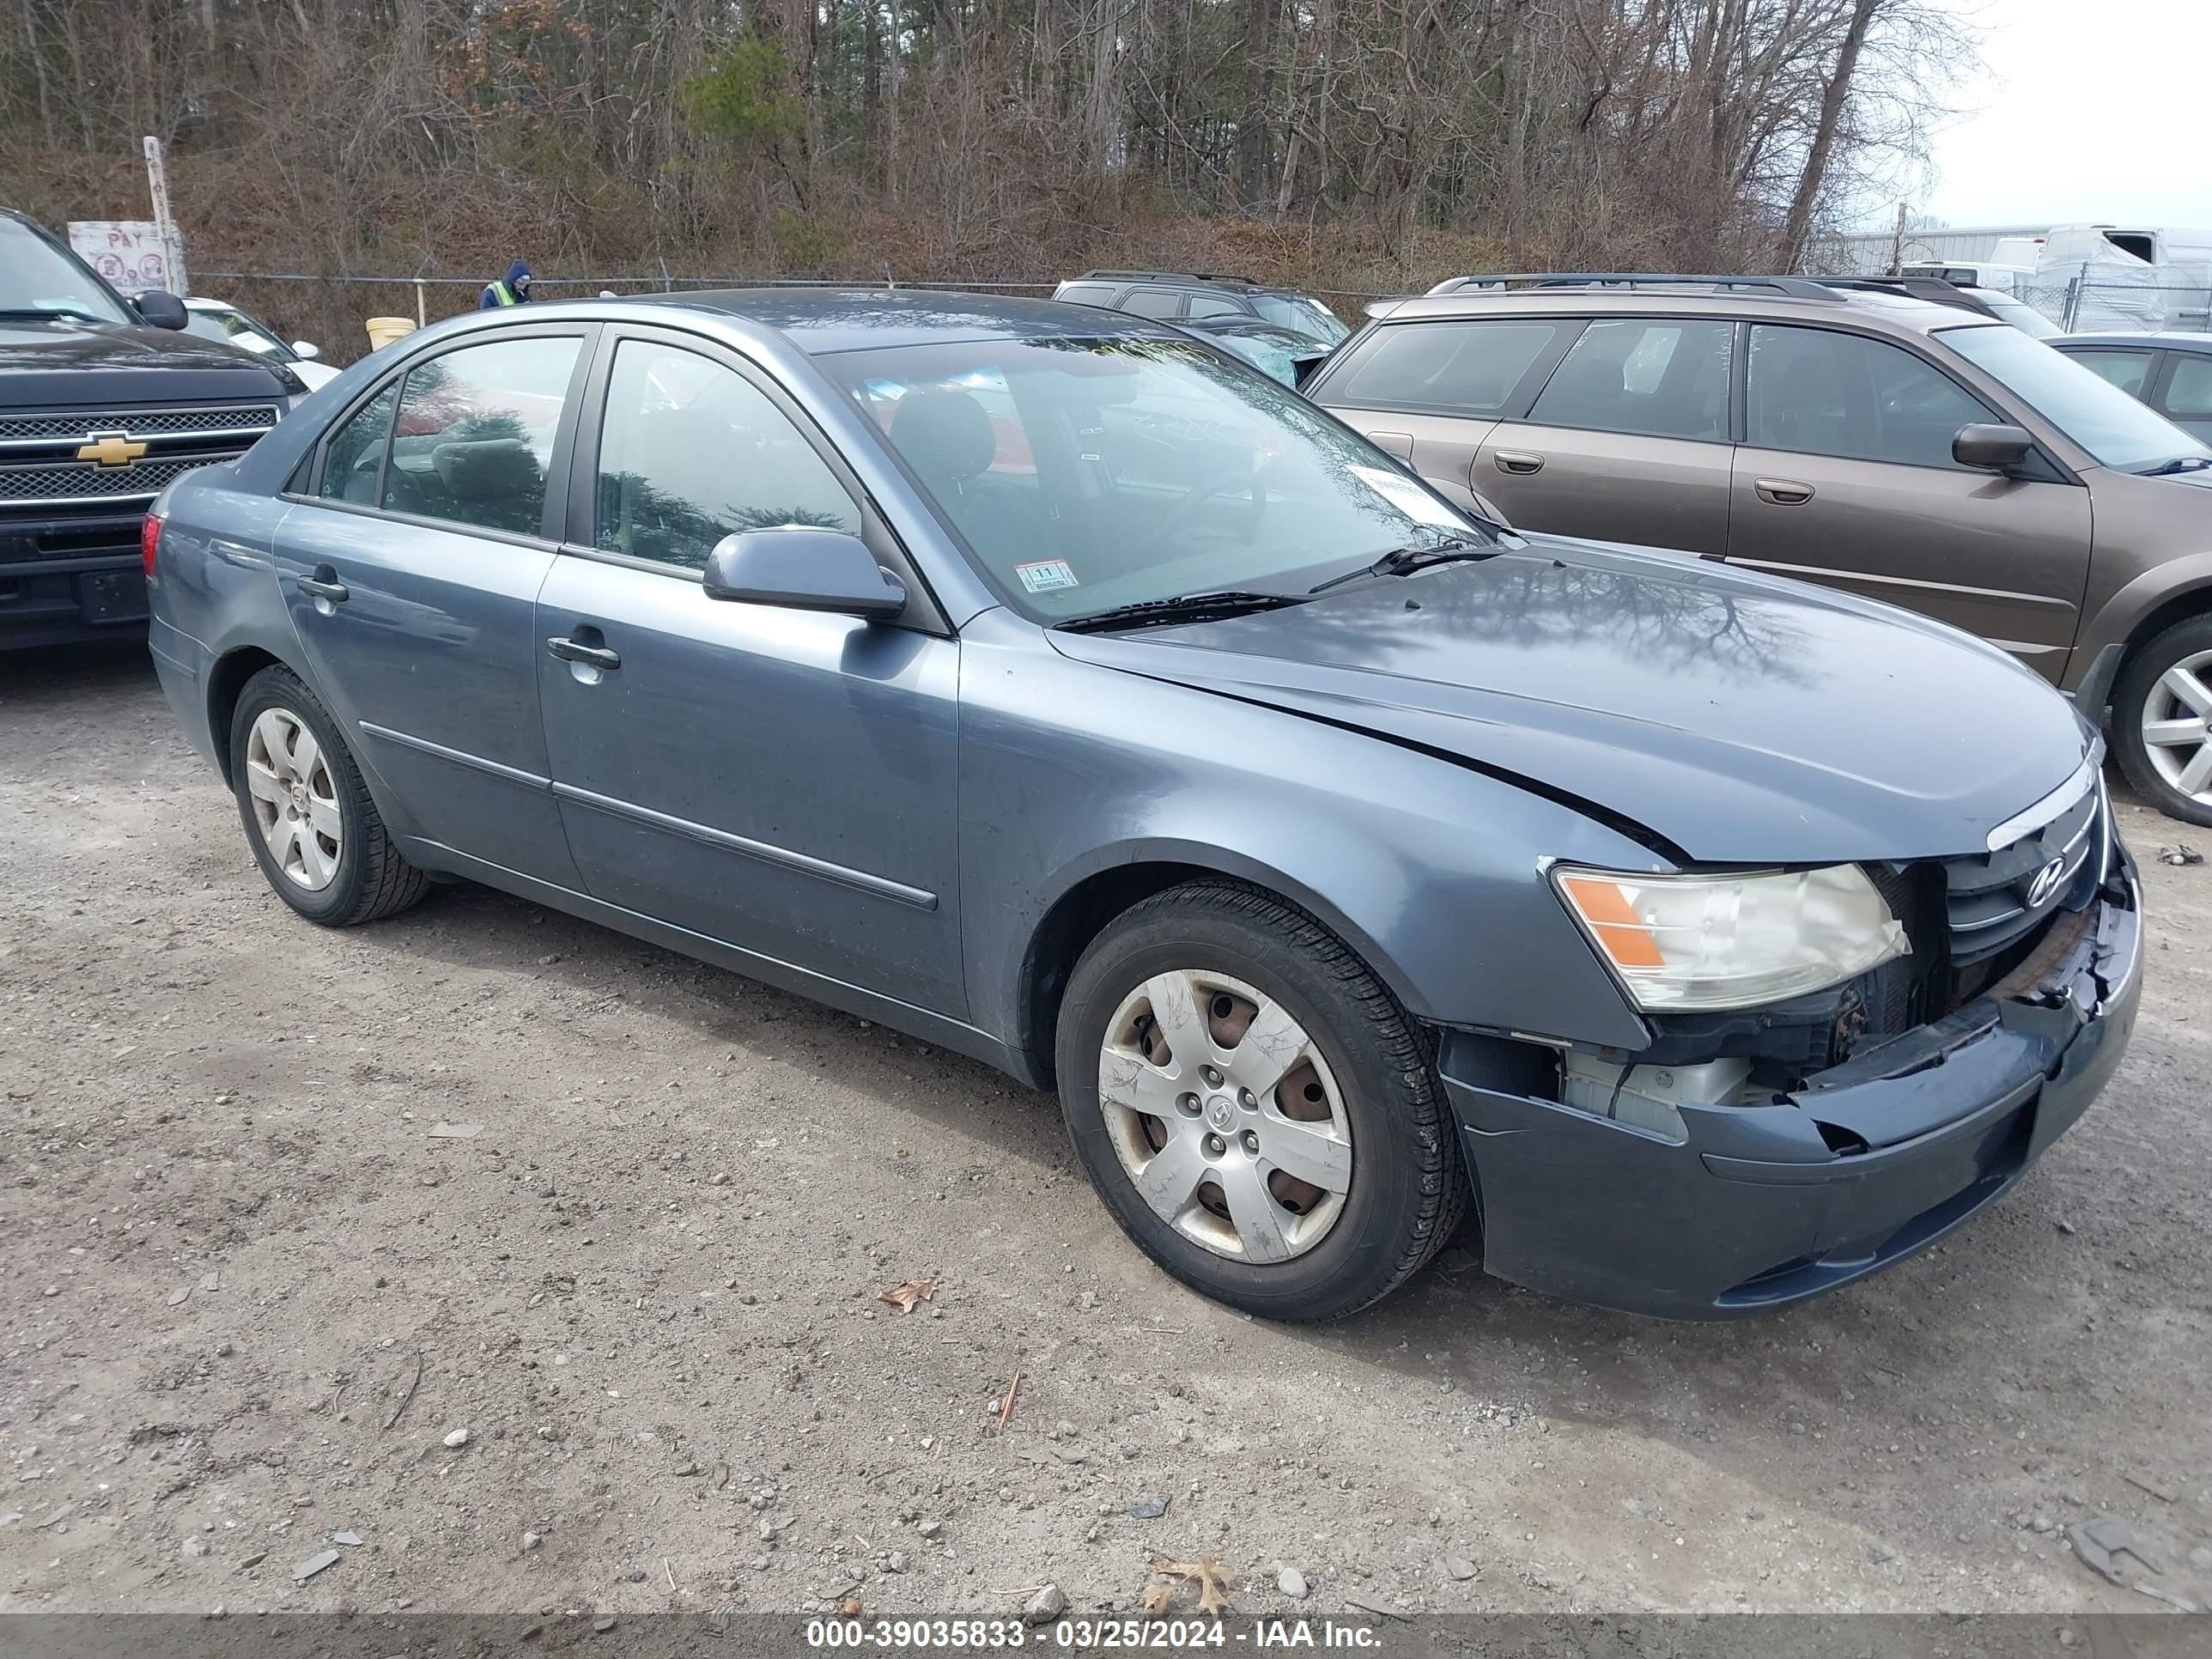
{"x": 2123, "y": 276}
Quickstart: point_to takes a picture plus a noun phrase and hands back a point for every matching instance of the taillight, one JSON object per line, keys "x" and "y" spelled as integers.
{"x": 149, "y": 543}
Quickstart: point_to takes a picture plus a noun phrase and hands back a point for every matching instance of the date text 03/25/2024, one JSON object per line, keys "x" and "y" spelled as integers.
{"x": 1088, "y": 1635}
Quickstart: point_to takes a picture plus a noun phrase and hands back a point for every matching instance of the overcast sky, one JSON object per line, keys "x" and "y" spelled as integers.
{"x": 2087, "y": 111}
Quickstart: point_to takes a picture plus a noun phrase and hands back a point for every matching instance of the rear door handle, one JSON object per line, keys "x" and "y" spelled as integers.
{"x": 597, "y": 656}
{"x": 325, "y": 584}
{"x": 1518, "y": 461}
{"x": 1782, "y": 492}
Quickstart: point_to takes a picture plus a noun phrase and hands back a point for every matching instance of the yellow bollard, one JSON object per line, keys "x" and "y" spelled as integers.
{"x": 383, "y": 331}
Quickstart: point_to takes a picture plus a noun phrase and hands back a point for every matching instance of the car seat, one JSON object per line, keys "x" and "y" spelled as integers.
{"x": 947, "y": 438}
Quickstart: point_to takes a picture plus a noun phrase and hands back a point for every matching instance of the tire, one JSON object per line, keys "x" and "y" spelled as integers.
{"x": 2141, "y": 695}
{"x": 1331, "y": 1252}
{"x": 338, "y": 881}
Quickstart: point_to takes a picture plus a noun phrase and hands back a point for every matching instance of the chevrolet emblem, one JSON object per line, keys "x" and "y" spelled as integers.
{"x": 111, "y": 449}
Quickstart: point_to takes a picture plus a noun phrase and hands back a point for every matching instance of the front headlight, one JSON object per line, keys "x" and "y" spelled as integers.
{"x": 1691, "y": 943}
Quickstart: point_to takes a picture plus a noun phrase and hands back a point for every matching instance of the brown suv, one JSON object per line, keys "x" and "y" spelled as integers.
{"x": 1898, "y": 449}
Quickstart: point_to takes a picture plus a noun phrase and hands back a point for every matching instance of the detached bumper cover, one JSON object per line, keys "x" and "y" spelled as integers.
{"x": 1754, "y": 1210}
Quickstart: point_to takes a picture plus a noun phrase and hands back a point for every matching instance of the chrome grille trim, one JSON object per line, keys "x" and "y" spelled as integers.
{"x": 57, "y": 427}
{"x": 1986, "y": 907}
{"x": 138, "y": 482}
{"x": 2077, "y": 784}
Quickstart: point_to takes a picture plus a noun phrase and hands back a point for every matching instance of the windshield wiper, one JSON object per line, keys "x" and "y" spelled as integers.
{"x": 1179, "y": 608}
{"x": 50, "y": 314}
{"x": 2179, "y": 463}
{"x": 1404, "y": 561}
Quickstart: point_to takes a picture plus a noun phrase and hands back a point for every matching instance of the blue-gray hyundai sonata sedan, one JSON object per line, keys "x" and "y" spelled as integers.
{"x": 1036, "y": 680}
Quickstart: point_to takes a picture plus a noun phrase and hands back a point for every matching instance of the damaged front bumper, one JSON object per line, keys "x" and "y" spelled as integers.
{"x": 1754, "y": 1207}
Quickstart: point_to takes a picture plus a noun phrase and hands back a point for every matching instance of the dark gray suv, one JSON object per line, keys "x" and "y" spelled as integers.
{"x": 1042, "y": 683}
{"x": 1908, "y": 452}
{"x": 1188, "y": 296}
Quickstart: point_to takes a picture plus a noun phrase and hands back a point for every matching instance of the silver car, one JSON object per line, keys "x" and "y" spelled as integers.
{"x": 1041, "y": 682}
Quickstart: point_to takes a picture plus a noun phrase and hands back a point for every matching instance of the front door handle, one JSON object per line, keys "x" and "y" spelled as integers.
{"x": 1782, "y": 492}
{"x": 1518, "y": 461}
{"x": 594, "y": 656}
{"x": 325, "y": 584}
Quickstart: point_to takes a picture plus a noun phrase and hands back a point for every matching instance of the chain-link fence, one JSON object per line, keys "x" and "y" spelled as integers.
{"x": 2083, "y": 305}
{"x": 330, "y": 311}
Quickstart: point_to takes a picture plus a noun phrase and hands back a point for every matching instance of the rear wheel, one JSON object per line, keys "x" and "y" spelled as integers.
{"x": 314, "y": 831}
{"x": 1253, "y": 1105}
{"x": 2162, "y": 721}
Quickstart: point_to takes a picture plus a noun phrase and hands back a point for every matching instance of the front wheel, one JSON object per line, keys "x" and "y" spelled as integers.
{"x": 1254, "y": 1106}
{"x": 2162, "y": 721}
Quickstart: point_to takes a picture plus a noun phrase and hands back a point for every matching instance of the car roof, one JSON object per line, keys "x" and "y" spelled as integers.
{"x": 2170, "y": 339}
{"x": 1213, "y": 281}
{"x": 820, "y": 321}
{"x": 1885, "y": 310}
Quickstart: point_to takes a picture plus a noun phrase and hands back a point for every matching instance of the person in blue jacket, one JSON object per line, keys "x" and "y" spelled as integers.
{"x": 514, "y": 291}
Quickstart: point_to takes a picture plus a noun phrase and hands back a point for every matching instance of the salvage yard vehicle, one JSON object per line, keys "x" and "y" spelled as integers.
{"x": 2170, "y": 371}
{"x": 1276, "y": 352}
{"x": 219, "y": 319}
{"x": 1189, "y": 297}
{"x": 1840, "y": 433}
{"x": 1351, "y": 866}
{"x": 102, "y": 402}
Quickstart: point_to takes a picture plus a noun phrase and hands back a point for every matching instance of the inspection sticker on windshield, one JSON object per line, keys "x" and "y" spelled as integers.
{"x": 1047, "y": 575}
{"x": 1408, "y": 497}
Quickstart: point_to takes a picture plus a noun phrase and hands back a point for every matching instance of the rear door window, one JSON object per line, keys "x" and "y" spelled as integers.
{"x": 1086, "y": 293}
{"x": 1450, "y": 368}
{"x": 2124, "y": 370}
{"x": 2188, "y": 388}
{"x": 1153, "y": 302}
{"x": 475, "y": 434}
{"x": 1666, "y": 377}
{"x": 1821, "y": 393}
{"x": 353, "y": 459}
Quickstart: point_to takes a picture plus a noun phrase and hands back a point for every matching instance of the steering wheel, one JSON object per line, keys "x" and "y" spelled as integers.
{"x": 1180, "y": 516}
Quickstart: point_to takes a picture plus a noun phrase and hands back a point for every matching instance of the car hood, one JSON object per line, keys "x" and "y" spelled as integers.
{"x": 1740, "y": 718}
{"x": 69, "y": 362}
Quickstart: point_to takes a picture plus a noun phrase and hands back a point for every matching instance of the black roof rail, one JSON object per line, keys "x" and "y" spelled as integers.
{"x": 1935, "y": 290}
{"x": 1164, "y": 276}
{"x": 1797, "y": 287}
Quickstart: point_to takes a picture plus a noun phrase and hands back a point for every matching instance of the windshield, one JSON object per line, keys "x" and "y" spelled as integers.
{"x": 36, "y": 275}
{"x": 2114, "y": 427}
{"x": 1272, "y": 357}
{"x": 1309, "y": 318}
{"x": 1089, "y": 474}
{"x": 2022, "y": 316}
{"x": 236, "y": 328}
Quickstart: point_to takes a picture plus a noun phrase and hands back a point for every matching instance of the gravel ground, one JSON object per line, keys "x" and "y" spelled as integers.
{"x": 622, "y": 1348}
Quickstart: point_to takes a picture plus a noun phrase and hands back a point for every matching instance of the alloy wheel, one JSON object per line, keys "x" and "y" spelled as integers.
{"x": 296, "y": 803}
{"x": 1226, "y": 1115}
{"x": 2175, "y": 733}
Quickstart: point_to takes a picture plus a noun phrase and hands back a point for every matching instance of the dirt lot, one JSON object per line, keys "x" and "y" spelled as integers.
{"x": 647, "y": 1291}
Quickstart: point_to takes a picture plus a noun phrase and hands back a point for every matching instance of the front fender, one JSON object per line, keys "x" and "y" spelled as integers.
{"x": 1431, "y": 870}
{"x": 2115, "y": 621}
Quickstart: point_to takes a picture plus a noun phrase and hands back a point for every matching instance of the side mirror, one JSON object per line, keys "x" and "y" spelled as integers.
{"x": 306, "y": 349}
{"x": 159, "y": 309}
{"x": 803, "y": 569}
{"x": 1993, "y": 447}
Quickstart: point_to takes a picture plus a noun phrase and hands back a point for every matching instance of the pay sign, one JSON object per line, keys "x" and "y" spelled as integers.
{"x": 130, "y": 253}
